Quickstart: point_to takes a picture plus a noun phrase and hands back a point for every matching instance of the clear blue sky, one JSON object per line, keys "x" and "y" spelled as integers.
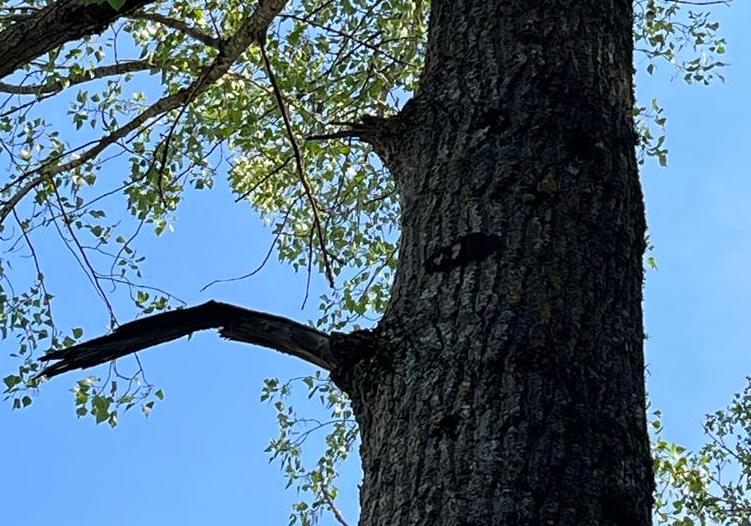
{"x": 199, "y": 458}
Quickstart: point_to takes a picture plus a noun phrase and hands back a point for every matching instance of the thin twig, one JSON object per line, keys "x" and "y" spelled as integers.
{"x": 131, "y": 66}
{"x": 332, "y": 507}
{"x": 92, "y": 272}
{"x": 299, "y": 164}
{"x": 310, "y": 269}
{"x": 180, "y": 26}
{"x": 348, "y": 36}
{"x": 265, "y": 178}
{"x": 37, "y": 266}
{"x": 265, "y": 259}
{"x": 123, "y": 248}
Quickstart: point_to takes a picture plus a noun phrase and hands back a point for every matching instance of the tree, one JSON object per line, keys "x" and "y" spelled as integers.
{"x": 711, "y": 485}
{"x": 504, "y": 382}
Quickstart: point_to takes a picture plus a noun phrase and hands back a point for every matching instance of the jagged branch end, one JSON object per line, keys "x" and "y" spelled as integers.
{"x": 233, "y": 322}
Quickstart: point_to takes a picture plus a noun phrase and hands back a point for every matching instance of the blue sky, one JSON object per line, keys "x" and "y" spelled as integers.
{"x": 698, "y": 304}
{"x": 199, "y": 458}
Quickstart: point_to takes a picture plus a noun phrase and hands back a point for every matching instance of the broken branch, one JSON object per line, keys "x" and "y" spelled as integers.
{"x": 234, "y": 323}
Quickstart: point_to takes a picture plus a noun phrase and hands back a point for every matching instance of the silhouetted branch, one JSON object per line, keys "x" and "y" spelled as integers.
{"x": 59, "y": 22}
{"x": 370, "y": 129}
{"x": 234, "y": 323}
{"x": 99, "y": 72}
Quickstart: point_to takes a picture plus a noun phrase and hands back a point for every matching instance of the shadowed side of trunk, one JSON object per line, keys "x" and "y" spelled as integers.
{"x": 508, "y": 384}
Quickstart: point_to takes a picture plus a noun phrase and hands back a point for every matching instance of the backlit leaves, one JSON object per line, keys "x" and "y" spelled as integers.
{"x": 314, "y": 479}
{"x": 682, "y": 38}
{"x": 713, "y": 485}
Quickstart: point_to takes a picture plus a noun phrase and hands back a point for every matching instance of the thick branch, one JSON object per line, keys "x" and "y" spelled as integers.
{"x": 379, "y": 132}
{"x": 48, "y": 28}
{"x": 369, "y": 129}
{"x": 98, "y": 72}
{"x": 234, "y": 323}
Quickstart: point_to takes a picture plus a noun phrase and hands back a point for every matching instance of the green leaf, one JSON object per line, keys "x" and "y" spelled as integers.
{"x": 11, "y": 381}
{"x": 101, "y": 408}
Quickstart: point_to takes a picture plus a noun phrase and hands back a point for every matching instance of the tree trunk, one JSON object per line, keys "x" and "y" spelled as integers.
{"x": 507, "y": 386}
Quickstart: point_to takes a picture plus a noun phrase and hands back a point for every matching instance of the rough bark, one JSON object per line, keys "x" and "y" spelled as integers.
{"x": 51, "y": 27}
{"x": 508, "y": 387}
